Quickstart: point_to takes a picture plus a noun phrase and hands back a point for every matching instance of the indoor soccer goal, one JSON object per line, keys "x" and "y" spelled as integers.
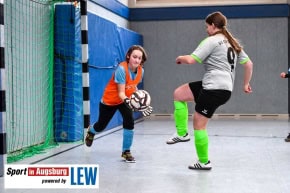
{"x": 38, "y": 60}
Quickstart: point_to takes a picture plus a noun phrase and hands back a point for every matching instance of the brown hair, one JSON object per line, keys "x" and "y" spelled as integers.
{"x": 220, "y": 21}
{"x": 136, "y": 47}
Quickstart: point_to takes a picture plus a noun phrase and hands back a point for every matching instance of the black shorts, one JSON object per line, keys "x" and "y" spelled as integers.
{"x": 207, "y": 101}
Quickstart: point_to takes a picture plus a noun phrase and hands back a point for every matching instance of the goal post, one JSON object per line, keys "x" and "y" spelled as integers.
{"x": 3, "y": 149}
{"x": 28, "y": 89}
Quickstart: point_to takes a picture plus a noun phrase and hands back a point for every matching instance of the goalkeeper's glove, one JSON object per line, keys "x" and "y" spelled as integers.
{"x": 128, "y": 103}
{"x": 147, "y": 111}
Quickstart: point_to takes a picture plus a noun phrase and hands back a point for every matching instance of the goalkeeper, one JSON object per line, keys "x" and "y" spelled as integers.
{"x": 116, "y": 97}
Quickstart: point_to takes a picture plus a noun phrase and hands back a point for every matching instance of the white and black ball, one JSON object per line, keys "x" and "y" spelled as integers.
{"x": 140, "y": 100}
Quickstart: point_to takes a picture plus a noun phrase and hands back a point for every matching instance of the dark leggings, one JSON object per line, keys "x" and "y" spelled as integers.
{"x": 106, "y": 113}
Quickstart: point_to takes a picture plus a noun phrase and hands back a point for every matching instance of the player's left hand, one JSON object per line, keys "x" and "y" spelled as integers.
{"x": 247, "y": 88}
{"x": 128, "y": 103}
{"x": 147, "y": 111}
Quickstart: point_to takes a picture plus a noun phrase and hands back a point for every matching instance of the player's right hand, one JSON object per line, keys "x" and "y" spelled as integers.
{"x": 283, "y": 74}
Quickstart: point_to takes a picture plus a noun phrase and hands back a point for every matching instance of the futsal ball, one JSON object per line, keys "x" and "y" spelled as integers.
{"x": 140, "y": 100}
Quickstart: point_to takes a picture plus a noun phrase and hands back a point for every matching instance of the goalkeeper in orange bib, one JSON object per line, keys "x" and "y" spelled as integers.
{"x": 116, "y": 97}
{"x": 219, "y": 53}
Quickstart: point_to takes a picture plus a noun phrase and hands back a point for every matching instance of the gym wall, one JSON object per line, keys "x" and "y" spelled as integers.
{"x": 169, "y": 31}
{"x": 262, "y": 30}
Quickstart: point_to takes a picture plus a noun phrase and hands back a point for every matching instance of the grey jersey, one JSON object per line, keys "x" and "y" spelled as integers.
{"x": 219, "y": 60}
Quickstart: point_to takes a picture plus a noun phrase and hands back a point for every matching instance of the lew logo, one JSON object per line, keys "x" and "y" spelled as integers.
{"x": 83, "y": 176}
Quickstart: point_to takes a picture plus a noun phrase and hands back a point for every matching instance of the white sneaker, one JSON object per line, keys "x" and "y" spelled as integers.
{"x": 175, "y": 139}
{"x": 200, "y": 166}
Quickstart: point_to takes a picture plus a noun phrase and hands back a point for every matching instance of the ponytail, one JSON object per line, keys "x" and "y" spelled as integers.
{"x": 233, "y": 41}
{"x": 220, "y": 21}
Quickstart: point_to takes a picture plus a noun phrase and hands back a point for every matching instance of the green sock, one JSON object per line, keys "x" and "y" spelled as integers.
{"x": 181, "y": 117}
{"x": 201, "y": 145}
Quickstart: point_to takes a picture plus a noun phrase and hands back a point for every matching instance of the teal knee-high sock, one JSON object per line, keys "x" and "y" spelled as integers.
{"x": 201, "y": 145}
{"x": 92, "y": 130}
{"x": 127, "y": 139}
{"x": 181, "y": 117}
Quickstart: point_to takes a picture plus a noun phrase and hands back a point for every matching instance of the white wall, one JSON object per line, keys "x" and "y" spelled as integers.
{"x": 124, "y": 2}
{"x": 106, "y": 14}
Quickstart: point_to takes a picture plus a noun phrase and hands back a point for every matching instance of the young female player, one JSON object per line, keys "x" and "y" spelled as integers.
{"x": 219, "y": 53}
{"x": 116, "y": 97}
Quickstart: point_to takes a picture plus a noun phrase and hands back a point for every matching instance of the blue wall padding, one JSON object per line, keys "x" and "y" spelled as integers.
{"x": 108, "y": 44}
{"x": 68, "y": 98}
